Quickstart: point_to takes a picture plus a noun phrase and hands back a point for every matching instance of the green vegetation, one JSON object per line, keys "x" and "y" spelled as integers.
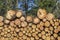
{"x": 6, "y": 5}
{"x": 50, "y": 5}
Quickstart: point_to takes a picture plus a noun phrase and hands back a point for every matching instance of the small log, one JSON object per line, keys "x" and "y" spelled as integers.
{"x": 44, "y": 20}
{"x": 8, "y": 35}
{"x": 41, "y": 28}
{"x": 29, "y": 18}
{"x": 51, "y": 28}
{"x": 2, "y": 34}
{"x": 46, "y": 29}
{"x": 24, "y": 24}
{"x": 33, "y": 34}
{"x": 34, "y": 26}
{"x": 5, "y": 32}
{"x": 17, "y": 22}
{"x": 15, "y": 38}
{"x": 55, "y": 35}
{"x": 1, "y": 23}
{"x": 11, "y": 28}
{"x": 38, "y": 30}
{"x": 24, "y": 37}
{"x": 47, "y": 24}
{"x": 17, "y": 30}
{"x": 52, "y": 38}
{"x": 6, "y": 21}
{"x": 39, "y": 35}
{"x": 1, "y": 28}
{"x": 32, "y": 38}
{"x": 52, "y": 22}
{"x": 58, "y": 28}
{"x": 12, "y": 23}
{"x": 56, "y": 23}
{"x": 50, "y": 16}
{"x": 19, "y": 14}
{"x": 38, "y": 25}
{"x": 58, "y": 38}
{"x": 43, "y": 33}
{"x": 1, "y": 18}
{"x": 41, "y": 23}
{"x": 56, "y": 31}
{"x": 2, "y": 38}
{"x": 22, "y": 29}
{"x": 28, "y": 38}
{"x": 36, "y": 37}
{"x": 43, "y": 37}
{"x": 22, "y": 18}
{"x": 5, "y": 26}
{"x": 47, "y": 38}
{"x": 33, "y": 30}
{"x": 36, "y": 20}
{"x": 30, "y": 24}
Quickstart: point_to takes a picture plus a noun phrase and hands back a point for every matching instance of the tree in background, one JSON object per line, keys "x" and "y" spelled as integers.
{"x": 26, "y": 5}
{"x": 6, "y": 5}
{"x": 52, "y": 6}
{"x": 57, "y": 9}
{"x": 31, "y": 6}
{"x": 49, "y": 5}
{"x": 2, "y": 7}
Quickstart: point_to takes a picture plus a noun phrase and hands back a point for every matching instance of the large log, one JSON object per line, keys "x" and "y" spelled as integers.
{"x": 50, "y": 16}
{"x": 10, "y": 14}
{"x": 41, "y": 13}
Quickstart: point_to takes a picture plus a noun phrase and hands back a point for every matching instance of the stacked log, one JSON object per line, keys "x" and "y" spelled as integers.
{"x": 15, "y": 26}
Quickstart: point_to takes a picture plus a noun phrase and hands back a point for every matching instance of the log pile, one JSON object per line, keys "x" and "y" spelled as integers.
{"x": 15, "y": 26}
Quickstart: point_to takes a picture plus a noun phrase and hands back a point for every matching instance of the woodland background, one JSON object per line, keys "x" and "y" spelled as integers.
{"x": 30, "y": 6}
